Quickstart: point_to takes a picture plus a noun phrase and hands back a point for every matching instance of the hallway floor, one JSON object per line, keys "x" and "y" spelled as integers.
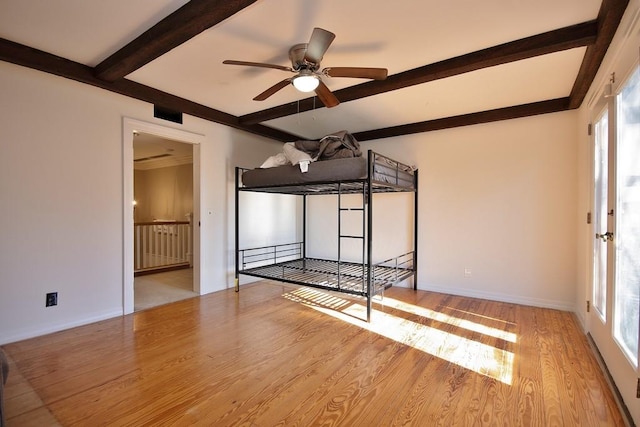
{"x": 157, "y": 289}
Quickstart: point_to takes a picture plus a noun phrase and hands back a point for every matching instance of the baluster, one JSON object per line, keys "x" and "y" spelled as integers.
{"x": 164, "y": 240}
{"x": 137, "y": 246}
{"x": 174, "y": 237}
{"x": 183, "y": 240}
{"x": 145, "y": 246}
{"x": 180, "y": 246}
{"x": 189, "y": 243}
{"x": 156, "y": 246}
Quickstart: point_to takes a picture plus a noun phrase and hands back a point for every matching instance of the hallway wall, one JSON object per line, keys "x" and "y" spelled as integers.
{"x": 164, "y": 193}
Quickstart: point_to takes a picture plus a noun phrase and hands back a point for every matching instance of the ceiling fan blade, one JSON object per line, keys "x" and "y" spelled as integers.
{"x": 257, "y": 64}
{"x": 356, "y": 72}
{"x": 273, "y": 89}
{"x": 318, "y": 44}
{"x": 326, "y": 96}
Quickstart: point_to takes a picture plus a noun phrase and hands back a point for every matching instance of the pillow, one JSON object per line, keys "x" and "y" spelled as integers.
{"x": 278, "y": 160}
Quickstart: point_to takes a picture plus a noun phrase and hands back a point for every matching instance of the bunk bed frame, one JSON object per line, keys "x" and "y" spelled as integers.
{"x": 289, "y": 262}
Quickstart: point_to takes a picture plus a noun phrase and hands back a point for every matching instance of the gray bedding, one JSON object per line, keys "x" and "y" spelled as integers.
{"x": 321, "y": 171}
{"x": 329, "y": 171}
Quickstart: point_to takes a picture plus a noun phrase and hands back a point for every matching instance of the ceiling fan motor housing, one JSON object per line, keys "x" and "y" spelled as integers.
{"x": 297, "y": 54}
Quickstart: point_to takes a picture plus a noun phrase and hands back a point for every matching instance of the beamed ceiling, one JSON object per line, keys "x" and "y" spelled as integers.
{"x": 450, "y": 64}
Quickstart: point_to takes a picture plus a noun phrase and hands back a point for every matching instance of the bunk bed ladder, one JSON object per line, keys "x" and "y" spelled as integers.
{"x": 341, "y": 236}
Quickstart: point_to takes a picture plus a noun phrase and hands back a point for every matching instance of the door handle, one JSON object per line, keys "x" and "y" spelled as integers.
{"x": 605, "y": 236}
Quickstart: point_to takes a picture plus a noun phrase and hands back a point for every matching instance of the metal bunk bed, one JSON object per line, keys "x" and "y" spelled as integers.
{"x": 289, "y": 262}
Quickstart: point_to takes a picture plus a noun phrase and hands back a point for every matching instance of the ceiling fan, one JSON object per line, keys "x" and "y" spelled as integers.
{"x": 305, "y": 63}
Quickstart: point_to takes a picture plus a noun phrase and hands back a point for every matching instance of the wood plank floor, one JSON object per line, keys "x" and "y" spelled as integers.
{"x": 279, "y": 355}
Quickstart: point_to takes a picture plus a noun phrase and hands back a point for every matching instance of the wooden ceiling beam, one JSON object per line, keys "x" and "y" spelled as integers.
{"x": 578, "y": 35}
{"x": 518, "y": 111}
{"x": 26, "y": 56}
{"x": 609, "y": 17}
{"x": 183, "y": 24}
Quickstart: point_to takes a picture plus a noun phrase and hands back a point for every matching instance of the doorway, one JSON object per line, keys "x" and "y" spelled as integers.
{"x": 163, "y": 220}
{"x": 166, "y": 228}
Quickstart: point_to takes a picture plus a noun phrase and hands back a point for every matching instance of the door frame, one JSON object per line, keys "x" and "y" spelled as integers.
{"x": 129, "y": 126}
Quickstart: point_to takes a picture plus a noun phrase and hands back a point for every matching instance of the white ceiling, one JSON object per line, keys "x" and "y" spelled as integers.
{"x": 399, "y": 35}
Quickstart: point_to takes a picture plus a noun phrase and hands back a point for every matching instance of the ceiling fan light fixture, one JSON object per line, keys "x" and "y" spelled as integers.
{"x": 306, "y": 82}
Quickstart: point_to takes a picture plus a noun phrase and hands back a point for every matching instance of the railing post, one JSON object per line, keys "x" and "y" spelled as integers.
{"x": 190, "y": 240}
{"x": 304, "y": 226}
{"x": 415, "y": 230}
{"x": 369, "y": 233}
{"x": 136, "y": 247}
{"x": 339, "y": 230}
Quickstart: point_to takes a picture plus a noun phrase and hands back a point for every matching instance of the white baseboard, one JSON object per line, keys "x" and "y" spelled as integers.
{"x": 493, "y": 296}
{"x": 581, "y": 320}
{"x": 26, "y": 333}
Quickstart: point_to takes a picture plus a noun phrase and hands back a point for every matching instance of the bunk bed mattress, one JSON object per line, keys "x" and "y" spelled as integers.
{"x": 322, "y": 171}
{"x": 346, "y": 169}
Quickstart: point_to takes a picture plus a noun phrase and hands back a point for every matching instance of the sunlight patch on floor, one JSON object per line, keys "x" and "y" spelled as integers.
{"x": 467, "y": 353}
{"x": 450, "y": 320}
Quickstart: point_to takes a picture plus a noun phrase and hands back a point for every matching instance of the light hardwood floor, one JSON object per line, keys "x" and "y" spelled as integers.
{"x": 276, "y": 354}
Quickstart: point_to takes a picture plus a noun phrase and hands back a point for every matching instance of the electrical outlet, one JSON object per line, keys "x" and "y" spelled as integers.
{"x": 52, "y": 299}
{"x": 467, "y": 272}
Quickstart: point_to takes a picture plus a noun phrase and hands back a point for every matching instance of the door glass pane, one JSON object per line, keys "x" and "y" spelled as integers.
{"x": 627, "y": 279}
{"x": 601, "y": 170}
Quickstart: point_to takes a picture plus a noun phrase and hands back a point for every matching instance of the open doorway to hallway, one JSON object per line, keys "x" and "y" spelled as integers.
{"x": 163, "y": 220}
{"x": 131, "y": 127}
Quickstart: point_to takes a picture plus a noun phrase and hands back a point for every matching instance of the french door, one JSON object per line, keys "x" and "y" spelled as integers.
{"x": 614, "y": 321}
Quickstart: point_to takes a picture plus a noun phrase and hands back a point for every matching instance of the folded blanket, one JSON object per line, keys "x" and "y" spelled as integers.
{"x": 338, "y": 145}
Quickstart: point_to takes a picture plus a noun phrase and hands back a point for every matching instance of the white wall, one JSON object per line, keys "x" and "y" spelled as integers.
{"x": 498, "y": 199}
{"x": 61, "y": 193}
